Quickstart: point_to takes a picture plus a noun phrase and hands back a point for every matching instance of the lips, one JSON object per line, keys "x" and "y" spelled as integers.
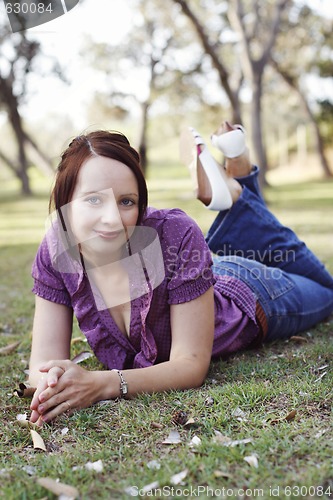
{"x": 109, "y": 235}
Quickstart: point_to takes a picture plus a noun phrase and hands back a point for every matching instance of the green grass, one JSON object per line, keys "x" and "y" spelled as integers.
{"x": 266, "y": 385}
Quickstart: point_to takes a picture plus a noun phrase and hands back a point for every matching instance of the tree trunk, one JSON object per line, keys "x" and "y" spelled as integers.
{"x": 143, "y": 137}
{"x": 15, "y": 119}
{"x": 317, "y": 134}
{"x": 293, "y": 83}
{"x": 256, "y": 127}
{"x": 209, "y": 49}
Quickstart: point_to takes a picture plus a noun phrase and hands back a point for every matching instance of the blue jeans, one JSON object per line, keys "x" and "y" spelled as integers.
{"x": 291, "y": 284}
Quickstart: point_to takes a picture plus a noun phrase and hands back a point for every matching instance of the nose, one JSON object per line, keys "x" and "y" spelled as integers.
{"x": 110, "y": 215}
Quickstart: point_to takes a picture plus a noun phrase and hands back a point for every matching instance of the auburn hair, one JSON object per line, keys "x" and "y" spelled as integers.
{"x": 114, "y": 145}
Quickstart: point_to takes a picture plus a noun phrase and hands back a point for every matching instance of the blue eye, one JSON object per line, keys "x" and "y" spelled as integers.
{"x": 94, "y": 200}
{"x": 127, "y": 202}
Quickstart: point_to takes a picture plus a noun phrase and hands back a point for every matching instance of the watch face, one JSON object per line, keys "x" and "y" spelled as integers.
{"x": 25, "y": 14}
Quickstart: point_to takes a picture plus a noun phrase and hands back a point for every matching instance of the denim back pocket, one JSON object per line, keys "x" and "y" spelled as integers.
{"x": 256, "y": 275}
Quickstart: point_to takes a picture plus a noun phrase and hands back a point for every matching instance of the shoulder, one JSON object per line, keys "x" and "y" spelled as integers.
{"x": 172, "y": 220}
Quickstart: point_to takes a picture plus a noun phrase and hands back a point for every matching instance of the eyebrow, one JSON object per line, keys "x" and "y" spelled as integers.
{"x": 97, "y": 191}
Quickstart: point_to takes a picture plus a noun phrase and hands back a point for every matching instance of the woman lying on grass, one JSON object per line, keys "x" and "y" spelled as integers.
{"x": 143, "y": 284}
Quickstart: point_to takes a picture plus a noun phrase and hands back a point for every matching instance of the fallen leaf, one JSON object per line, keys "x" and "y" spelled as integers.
{"x": 24, "y": 391}
{"x": 37, "y": 440}
{"x": 133, "y": 491}
{"x": 291, "y": 415}
{"x": 30, "y": 470}
{"x": 252, "y": 460}
{"x": 154, "y": 465}
{"x": 239, "y": 414}
{"x": 226, "y": 441}
{"x": 195, "y": 441}
{"x": 59, "y": 489}
{"x": 190, "y": 422}
{"x": 9, "y": 348}
{"x": 298, "y": 338}
{"x": 178, "y": 478}
{"x": 75, "y": 340}
{"x": 22, "y": 420}
{"x": 220, "y": 438}
{"x": 173, "y": 438}
{"x": 157, "y": 425}
{"x": 220, "y": 473}
{"x": 237, "y": 442}
{"x": 95, "y": 466}
{"x": 82, "y": 357}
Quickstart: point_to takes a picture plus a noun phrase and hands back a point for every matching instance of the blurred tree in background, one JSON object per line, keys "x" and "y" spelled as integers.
{"x": 18, "y": 54}
{"x": 255, "y": 62}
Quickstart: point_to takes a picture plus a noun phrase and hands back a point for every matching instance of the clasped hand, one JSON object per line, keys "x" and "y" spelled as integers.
{"x": 65, "y": 387}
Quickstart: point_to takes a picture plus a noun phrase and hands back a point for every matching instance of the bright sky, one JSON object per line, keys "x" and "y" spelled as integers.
{"x": 62, "y": 38}
{"x": 103, "y": 20}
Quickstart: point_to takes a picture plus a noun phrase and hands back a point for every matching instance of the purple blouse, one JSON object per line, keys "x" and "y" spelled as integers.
{"x": 187, "y": 275}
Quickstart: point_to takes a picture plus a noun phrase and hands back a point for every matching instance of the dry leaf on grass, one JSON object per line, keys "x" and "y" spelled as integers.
{"x": 290, "y": 416}
{"x": 82, "y": 357}
{"x": 156, "y": 425}
{"x": 60, "y": 489}
{"x": 8, "y": 349}
{"x": 298, "y": 338}
{"x": 24, "y": 391}
{"x": 252, "y": 460}
{"x": 21, "y": 419}
{"x": 30, "y": 470}
{"x": 154, "y": 465}
{"x": 239, "y": 414}
{"x": 178, "y": 478}
{"x": 95, "y": 466}
{"x": 173, "y": 438}
{"x": 227, "y": 441}
{"x": 195, "y": 441}
{"x": 133, "y": 490}
{"x": 37, "y": 440}
{"x": 190, "y": 422}
{"x": 220, "y": 473}
{"x": 75, "y": 340}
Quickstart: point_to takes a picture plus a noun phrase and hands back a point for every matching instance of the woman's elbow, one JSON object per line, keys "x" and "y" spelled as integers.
{"x": 198, "y": 374}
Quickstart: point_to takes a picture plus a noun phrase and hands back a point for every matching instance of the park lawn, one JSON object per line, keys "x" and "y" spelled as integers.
{"x": 273, "y": 404}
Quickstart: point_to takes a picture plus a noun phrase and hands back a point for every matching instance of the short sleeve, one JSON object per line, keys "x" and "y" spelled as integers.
{"x": 48, "y": 283}
{"x": 188, "y": 259}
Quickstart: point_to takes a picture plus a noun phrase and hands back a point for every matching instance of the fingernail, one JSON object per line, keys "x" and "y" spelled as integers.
{"x": 41, "y": 409}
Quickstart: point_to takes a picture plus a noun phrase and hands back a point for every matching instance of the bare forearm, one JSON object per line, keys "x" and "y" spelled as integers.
{"x": 175, "y": 374}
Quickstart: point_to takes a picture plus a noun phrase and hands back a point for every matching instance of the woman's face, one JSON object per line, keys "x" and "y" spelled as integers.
{"x": 104, "y": 208}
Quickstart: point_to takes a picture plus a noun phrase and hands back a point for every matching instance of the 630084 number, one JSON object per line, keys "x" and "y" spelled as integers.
{"x": 28, "y": 8}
